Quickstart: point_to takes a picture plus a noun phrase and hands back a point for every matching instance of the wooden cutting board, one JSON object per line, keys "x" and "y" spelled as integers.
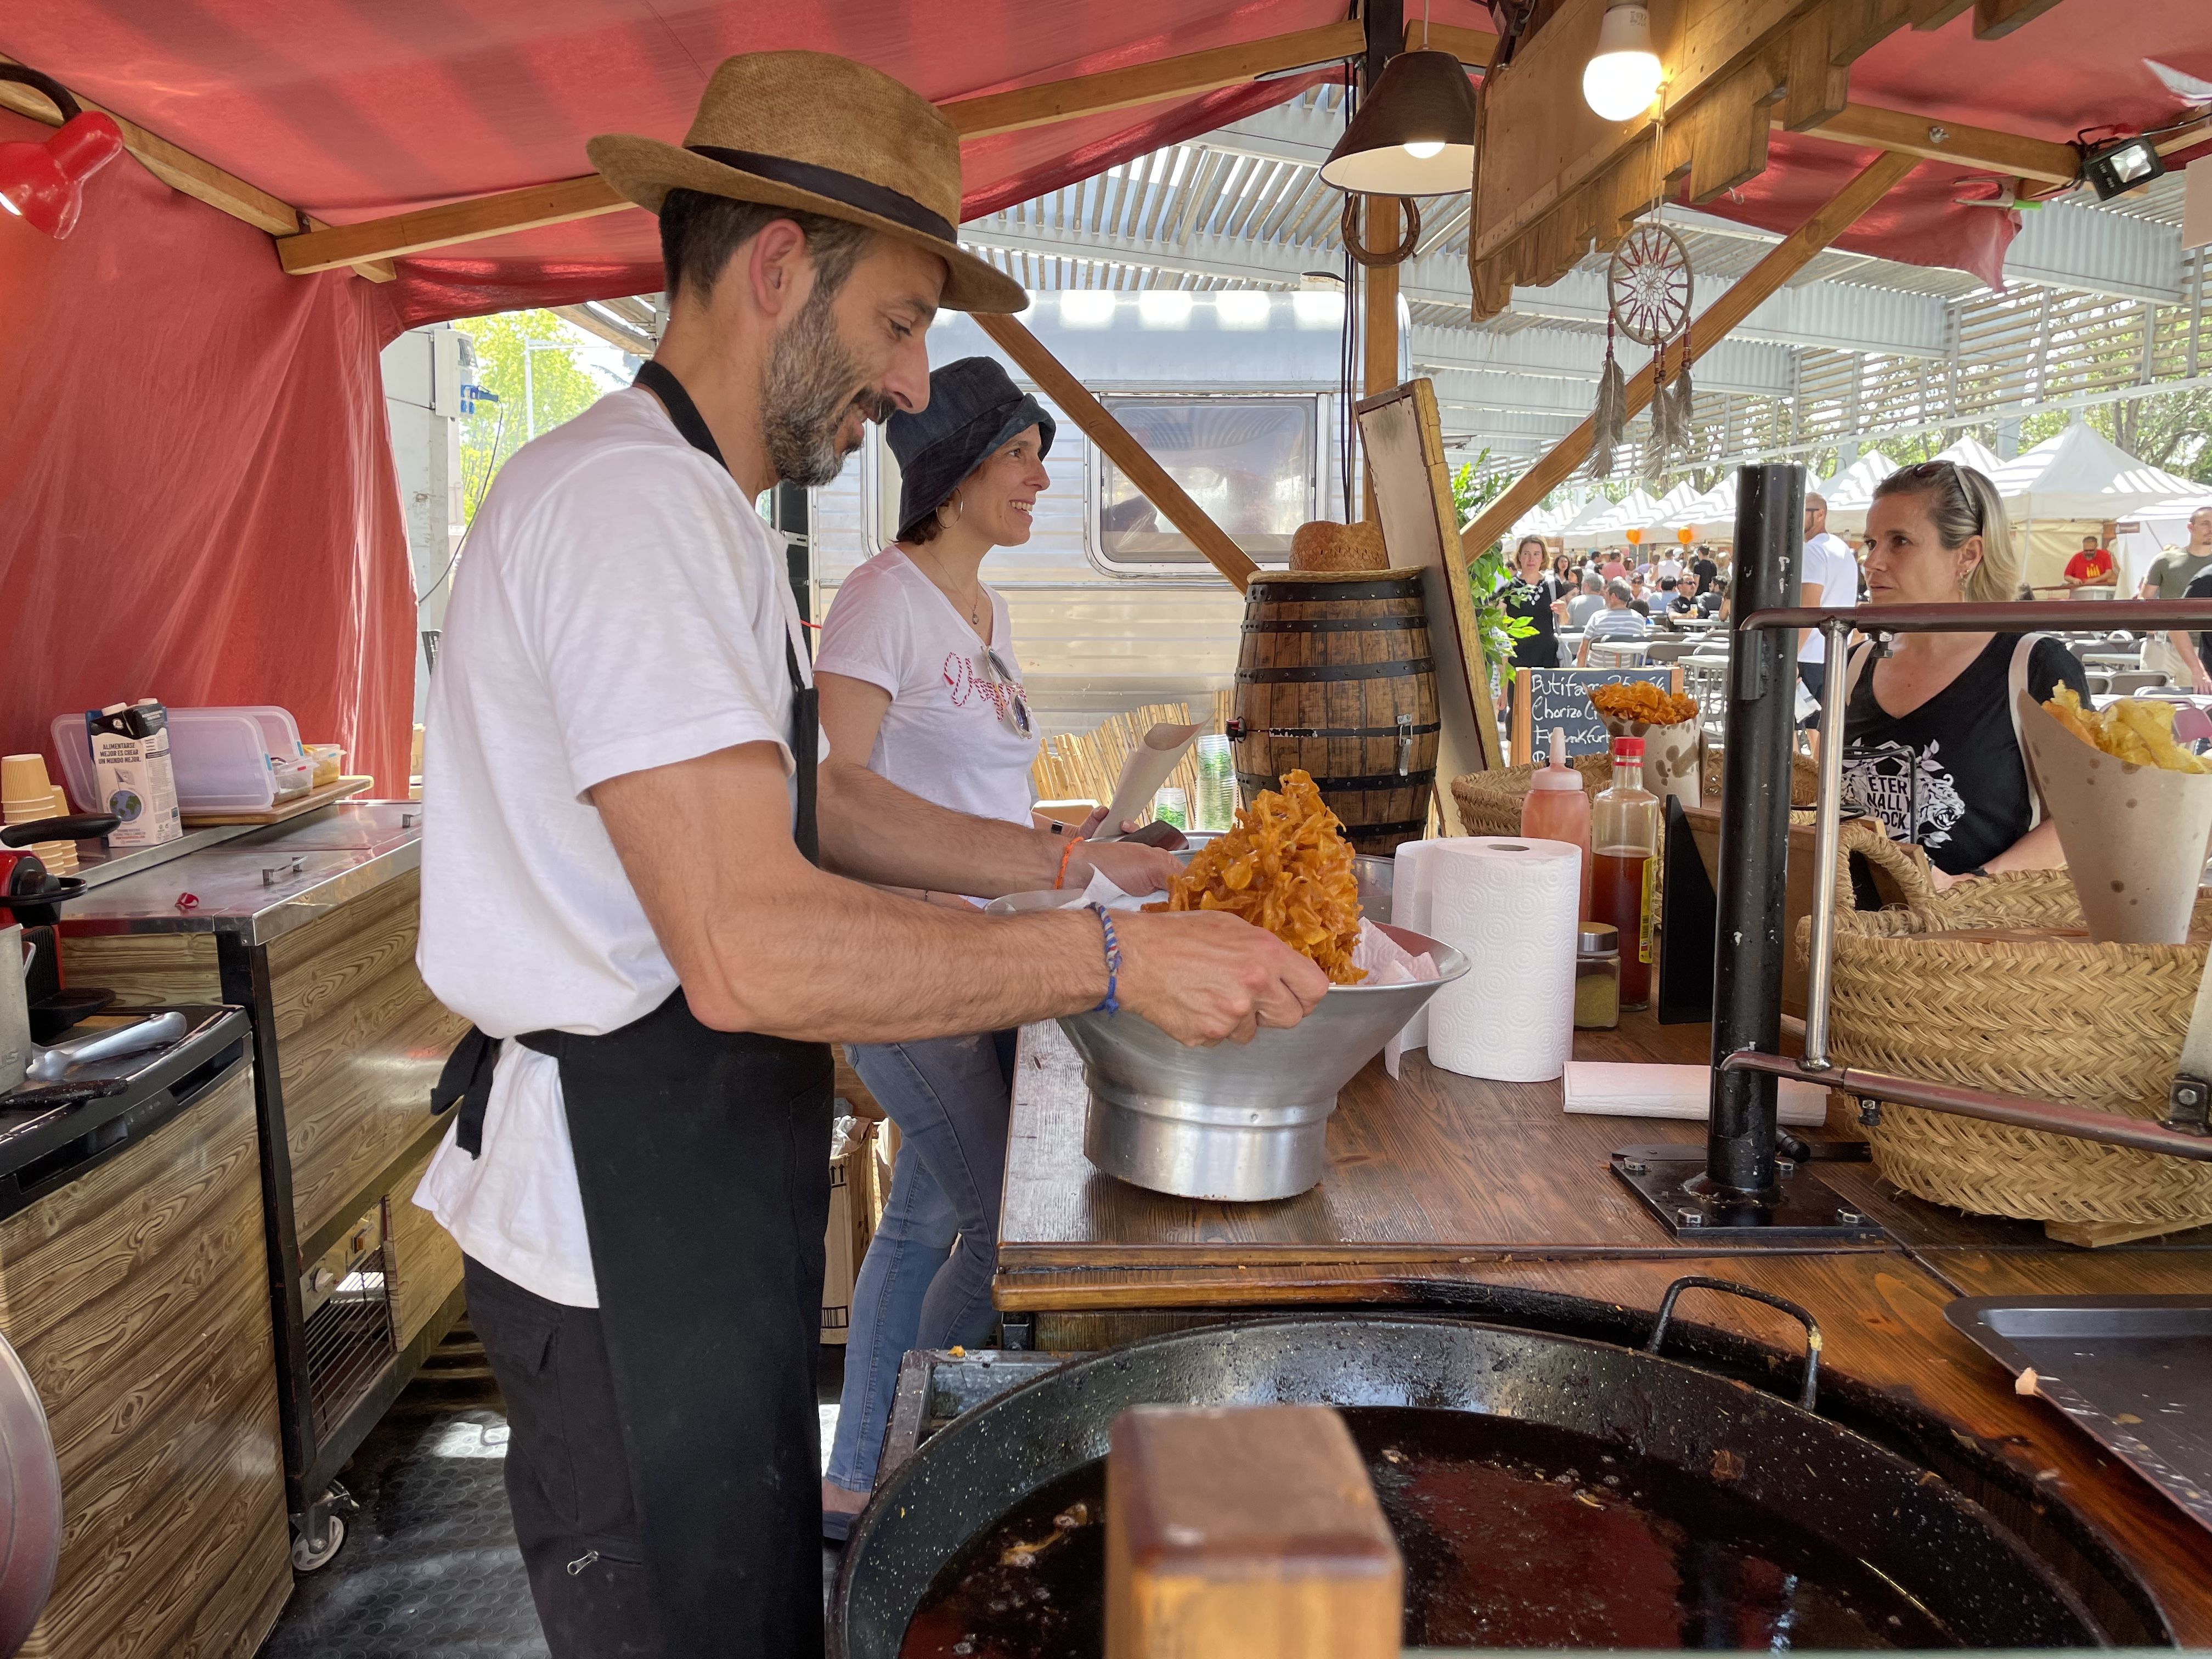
{"x": 283, "y": 812}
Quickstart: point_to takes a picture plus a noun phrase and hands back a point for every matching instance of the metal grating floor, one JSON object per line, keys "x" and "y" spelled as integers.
{"x": 429, "y": 1569}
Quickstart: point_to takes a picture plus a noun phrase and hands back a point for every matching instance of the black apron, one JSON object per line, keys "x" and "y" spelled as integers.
{"x": 702, "y": 1157}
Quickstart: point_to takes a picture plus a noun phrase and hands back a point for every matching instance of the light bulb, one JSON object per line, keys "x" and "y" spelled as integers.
{"x": 1623, "y": 75}
{"x": 1422, "y": 148}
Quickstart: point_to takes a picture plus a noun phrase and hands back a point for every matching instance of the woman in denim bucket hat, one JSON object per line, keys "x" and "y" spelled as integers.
{"x": 917, "y": 672}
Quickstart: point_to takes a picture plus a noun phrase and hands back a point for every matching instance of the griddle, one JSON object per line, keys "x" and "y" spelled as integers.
{"x": 2134, "y": 1371}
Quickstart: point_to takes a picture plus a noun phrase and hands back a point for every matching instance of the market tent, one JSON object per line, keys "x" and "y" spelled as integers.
{"x": 1973, "y": 451}
{"x": 1673, "y": 505}
{"x": 1609, "y": 526}
{"x": 2081, "y": 474}
{"x": 1850, "y": 492}
{"x": 1711, "y": 515}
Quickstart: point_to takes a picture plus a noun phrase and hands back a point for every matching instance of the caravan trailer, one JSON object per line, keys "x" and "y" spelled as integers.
{"x": 1236, "y": 393}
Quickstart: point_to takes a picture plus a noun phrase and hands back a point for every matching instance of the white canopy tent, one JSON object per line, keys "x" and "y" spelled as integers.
{"x": 1973, "y": 451}
{"x": 2079, "y": 477}
{"x": 1610, "y": 526}
{"x": 1709, "y": 517}
{"x": 1850, "y": 492}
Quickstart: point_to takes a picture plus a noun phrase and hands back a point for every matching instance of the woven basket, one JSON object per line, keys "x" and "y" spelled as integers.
{"x": 1490, "y": 802}
{"x": 2050, "y": 1017}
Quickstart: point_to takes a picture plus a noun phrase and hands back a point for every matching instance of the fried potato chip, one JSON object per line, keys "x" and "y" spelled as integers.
{"x": 1640, "y": 700}
{"x": 2136, "y": 730}
{"x": 1286, "y": 868}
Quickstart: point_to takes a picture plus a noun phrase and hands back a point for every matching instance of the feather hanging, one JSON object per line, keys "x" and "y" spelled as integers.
{"x": 1611, "y": 415}
{"x": 1682, "y": 395}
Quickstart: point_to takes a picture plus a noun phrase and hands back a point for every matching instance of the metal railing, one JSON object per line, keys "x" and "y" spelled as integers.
{"x": 2176, "y": 1137}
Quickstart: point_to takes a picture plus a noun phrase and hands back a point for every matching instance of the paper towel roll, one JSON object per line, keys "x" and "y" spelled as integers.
{"x": 1511, "y": 905}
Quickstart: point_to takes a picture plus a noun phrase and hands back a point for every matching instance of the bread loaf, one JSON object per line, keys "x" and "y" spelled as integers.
{"x": 1322, "y": 545}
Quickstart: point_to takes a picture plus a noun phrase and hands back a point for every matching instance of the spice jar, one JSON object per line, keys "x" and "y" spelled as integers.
{"x": 1597, "y": 977}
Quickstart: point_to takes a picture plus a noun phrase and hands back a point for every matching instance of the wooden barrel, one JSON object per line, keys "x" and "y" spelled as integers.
{"x": 1334, "y": 677}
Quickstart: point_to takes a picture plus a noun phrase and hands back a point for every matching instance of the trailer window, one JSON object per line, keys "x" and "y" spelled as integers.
{"x": 1249, "y": 462}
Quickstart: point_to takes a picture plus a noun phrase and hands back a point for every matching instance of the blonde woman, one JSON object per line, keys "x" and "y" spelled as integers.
{"x": 1931, "y": 739}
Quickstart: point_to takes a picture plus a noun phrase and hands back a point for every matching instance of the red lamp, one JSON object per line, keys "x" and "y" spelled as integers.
{"x": 44, "y": 184}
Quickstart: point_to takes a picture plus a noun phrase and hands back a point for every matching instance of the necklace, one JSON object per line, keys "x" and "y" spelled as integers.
{"x": 935, "y": 572}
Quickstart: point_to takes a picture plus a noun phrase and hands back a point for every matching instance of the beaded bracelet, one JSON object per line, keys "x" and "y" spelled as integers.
{"x": 1061, "y": 880}
{"x": 1112, "y": 1005}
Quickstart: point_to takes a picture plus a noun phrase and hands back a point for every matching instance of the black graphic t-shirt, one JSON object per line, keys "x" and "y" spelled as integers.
{"x": 1949, "y": 774}
{"x": 1534, "y": 601}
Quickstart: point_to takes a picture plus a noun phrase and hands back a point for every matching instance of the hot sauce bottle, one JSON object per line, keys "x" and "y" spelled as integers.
{"x": 1624, "y": 866}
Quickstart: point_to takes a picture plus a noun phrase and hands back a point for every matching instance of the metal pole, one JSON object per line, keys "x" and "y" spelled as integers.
{"x": 1827, "y": 821}
{"x": 1754, "y": 850}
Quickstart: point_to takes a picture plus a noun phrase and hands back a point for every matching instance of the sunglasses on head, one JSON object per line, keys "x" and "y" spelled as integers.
{"x": 1929, "y": 472}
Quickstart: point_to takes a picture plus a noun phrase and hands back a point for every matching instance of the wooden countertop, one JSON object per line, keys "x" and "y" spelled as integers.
{"x": 1435, "y": 1177}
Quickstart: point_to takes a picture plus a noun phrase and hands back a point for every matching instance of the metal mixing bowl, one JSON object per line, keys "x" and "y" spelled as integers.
{"x": 1245, "y": 1122}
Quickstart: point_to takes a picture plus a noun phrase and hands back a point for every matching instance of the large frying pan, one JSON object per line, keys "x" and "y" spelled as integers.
{"x": 30, "y": 1503}
{"x": 1831, "y": 1482}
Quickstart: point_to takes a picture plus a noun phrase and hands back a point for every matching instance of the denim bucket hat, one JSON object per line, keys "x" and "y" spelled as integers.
{"x": 974, "y": 407}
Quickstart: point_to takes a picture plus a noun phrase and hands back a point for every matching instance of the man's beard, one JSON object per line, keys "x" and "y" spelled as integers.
{"x": 806, "y": 396}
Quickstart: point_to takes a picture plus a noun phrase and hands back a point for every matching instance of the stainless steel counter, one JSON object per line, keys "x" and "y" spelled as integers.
{"x": 265, "y": 883}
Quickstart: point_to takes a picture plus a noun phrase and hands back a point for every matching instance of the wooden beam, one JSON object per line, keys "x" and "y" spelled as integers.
{"x": 1151, "y": 83}
{"x": 535, "y": 206}
{"x": 1996, "y": 18}
{"x": 1075, "y": 400}
{"x": 1473, "y": 47}
{"x": 637, "y": 344}
{"x": 1756, "y": 285}
{"x": 1962, "y": 146}
{"x": 469, "y": 221}
{"x": 183, "y": 171}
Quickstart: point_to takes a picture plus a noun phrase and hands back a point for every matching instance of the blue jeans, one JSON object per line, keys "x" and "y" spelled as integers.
{"x": 926, "y": 1281}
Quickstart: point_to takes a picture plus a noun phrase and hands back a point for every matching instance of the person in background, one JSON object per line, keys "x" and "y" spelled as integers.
{"x": 1705, "y": 569}
{"x": 2093, "y": 567}
{"x": 1667, "y": 567}
{"x": 917, "y": 673}
{"x": 1830, "y": 579}
{"x": 1680, "y": 594}
{"x": 1533, "y": 595}
{"x": 1563, "y": 576}
{"x": 2174, "y": 575}
{"x": 1618, "y": 621}
{"x": 1586, "y": 604}
{"x": 1931, "y": 747}
{"x": 1710, "y": 601}
{"x": 1614, "y": 569}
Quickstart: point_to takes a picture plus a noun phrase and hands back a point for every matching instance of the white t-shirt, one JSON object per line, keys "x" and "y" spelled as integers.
{"x": 1666, "y": 567}
{"x": 1828, "y": 560}
{"x": 621, "y": 606}
{"x": 944, "y": 738}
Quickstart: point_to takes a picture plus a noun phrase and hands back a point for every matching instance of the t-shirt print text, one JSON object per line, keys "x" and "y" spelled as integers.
{"x": 967, "y": 681}
{"x": 1913, "y": 793}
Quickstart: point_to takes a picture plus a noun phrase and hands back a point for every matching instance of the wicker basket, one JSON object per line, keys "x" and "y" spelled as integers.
{"x": 1490, "y": 802}
{"x": 2018, "y": 1009}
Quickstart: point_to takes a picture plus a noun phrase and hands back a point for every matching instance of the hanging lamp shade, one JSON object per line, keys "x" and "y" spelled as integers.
{"x": 1414, "y": 134}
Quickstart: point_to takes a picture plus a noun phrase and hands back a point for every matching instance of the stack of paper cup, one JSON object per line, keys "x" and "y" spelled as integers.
{"x": 1510, "y": 906}
{"x": 26, "y": 796}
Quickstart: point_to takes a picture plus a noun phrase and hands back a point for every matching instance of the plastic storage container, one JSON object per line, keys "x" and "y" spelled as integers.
{"x": 220, "y": 756}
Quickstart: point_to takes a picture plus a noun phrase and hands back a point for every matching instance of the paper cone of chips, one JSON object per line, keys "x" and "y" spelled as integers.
{"x": 2135, "y": 835}
{"x": 1670, "y": 757}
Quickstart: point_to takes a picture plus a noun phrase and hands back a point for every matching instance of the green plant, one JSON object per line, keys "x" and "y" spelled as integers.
{"x": 558, "y": 384}
{"x": 1488, "y": 572}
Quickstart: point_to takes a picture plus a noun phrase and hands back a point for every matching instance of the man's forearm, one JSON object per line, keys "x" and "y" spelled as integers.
{"x": 873, "y": 831}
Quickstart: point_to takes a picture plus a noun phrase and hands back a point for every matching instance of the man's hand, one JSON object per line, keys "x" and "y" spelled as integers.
{"x": 1205, "y": 976}
{"x": 1134, "y": 868}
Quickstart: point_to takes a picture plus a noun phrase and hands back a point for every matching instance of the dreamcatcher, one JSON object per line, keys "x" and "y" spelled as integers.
{"x": 1648, "y": 291}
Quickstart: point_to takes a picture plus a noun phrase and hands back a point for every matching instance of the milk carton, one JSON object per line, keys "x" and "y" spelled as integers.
{"x": 131, "y": 769}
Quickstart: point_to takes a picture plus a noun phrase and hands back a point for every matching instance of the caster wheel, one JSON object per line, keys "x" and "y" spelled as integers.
{"x": 309, "y": 1555}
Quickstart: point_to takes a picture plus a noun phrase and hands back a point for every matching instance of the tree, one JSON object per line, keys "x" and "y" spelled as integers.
{"x": 559, "y": 385}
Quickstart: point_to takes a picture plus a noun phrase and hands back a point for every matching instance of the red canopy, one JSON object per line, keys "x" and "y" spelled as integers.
{"x": 197, "y": 500}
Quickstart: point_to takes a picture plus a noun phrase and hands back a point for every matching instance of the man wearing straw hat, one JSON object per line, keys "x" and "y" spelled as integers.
{"x": 622, "y": 885}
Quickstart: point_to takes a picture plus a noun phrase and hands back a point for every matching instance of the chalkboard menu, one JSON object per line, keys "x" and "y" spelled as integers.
{"x": 1545, "y": 697}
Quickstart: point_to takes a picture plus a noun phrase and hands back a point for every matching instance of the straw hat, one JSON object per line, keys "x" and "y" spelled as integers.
{"x": 819, "y": 134}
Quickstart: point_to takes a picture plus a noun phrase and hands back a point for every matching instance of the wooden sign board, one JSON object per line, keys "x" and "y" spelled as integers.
{"x": 1403, "y": 436}
{"x": 1545, "y": 697}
